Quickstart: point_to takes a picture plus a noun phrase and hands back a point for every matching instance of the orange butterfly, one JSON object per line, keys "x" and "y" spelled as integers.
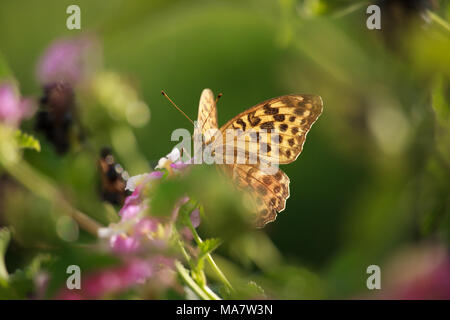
{"x": 287, "y": 119}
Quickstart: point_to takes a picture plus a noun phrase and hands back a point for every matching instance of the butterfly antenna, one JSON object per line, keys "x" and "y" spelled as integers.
{"x": 218, "y": 97}
{"x": 165, "y": 95}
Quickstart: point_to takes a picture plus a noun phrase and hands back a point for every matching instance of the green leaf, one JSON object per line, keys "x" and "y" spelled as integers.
{"x": 205, "y": 247}
{"x": 208, "y": 246}
{"x": 21, "y": 283}
{"x": 25, "y": 140}
{"x": 16, "y": 287}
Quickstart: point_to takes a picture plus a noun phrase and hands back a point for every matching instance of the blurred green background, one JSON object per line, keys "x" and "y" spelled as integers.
{"x": 374, "y": 174}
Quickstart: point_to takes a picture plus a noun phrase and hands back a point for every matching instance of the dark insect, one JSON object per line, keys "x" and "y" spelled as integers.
{"x": 58, "y": 115}
{"x": 113, "y": 179}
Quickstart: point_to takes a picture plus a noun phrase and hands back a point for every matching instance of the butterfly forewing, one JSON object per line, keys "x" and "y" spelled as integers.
{"x": 285, "y": 120}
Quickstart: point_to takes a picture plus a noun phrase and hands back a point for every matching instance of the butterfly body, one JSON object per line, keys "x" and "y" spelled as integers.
{"x": 274, "y": 131}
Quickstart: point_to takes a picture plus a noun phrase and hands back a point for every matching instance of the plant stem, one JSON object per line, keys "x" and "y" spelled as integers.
{"x": 200, "y": 292}
{"x": 219, "y": 272}
{"x": 438, "y": 20}
{"x": 209, "y": 258}
{"x": 41, "y": 186}
{"x": 204, "y": 287}
{"x": 211, "y": 293}
{"x": 350, "y": 9}
{"x": 183, "y": 251}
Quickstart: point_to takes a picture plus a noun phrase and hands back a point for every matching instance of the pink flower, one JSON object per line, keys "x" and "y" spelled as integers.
{"x": 99, "y": 284}
{"x": 68, "y": 61}
{"x": 195, "y": 218}
{"x": 133, "y": 241}
{"x": 421, "y": 272}
{"x": 136, "y": 232}
{"x": 123, "y": 244}
{"x": 432, "y": 282}
{"x": 130, "y": 211}
{"x": 132, "y": 200}
{"x": 12, "y": 107}
{"x": 179, "y": 165}
{"x": 186, "y": 234}
{"x": 146, "y": 225}
{"x": 139, "y": 235}
{"x": 173, "y": 161}
{"x": 142, "y": 179}
{"x": 134, "y": 203}
{"x": 435, "y": 284}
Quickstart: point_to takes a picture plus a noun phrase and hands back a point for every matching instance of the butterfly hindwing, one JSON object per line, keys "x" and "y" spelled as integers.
{"x": 269, "y": 191}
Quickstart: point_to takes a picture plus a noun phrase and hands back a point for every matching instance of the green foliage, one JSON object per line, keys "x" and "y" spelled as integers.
{"x": 27, "y": 141}
{"x": 208, "y": 246}
{"x": 22, "y": 283}
{"x": 373, "y": 177}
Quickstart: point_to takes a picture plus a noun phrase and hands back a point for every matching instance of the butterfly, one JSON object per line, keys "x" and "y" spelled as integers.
{"x": 58, "y": 118}
{"x": 113, "y": 178}
{"x": 287, "y": 119}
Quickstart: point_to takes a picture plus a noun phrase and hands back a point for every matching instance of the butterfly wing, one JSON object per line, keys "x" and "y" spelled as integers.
{"x": 207, "y": 115}
{"x": 269, "y": 192}
{"x": 286, "y": 120}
